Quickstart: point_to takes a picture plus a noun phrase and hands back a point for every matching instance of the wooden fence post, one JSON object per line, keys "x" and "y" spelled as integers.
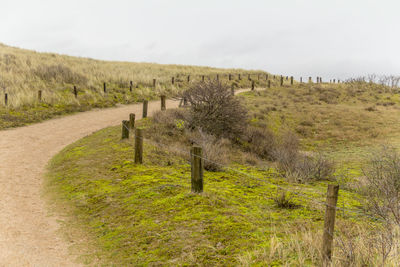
{"x": 269, "y": 83}
{"x": 138, "y": 146}
{"x": 40, "y": 95}
{"x": 6, "y": 99}
{"x": 173, "y": 80}
{"x": 217, "y": 77}
{"x": 281, "y": 80}
{"x": 197, "y": 169}
{"x": 291, "y": 80}
{"x": 230, "y": 76}
{"x": 130, "y": 86}
{"x": 252, "y": 85}
{"x": 239, "y": 77}
{"x": 125, "y": 130}
{"x": 202, "y": 78}
{"x": 266, "y": 77}
{"x": 309, "y": 80}
{"x": 258, "y": 77}
{"x": 75, "y": 92}
{"x": 163, "y": 106}
{"x": 233, "y": 89}
{"x": 154, "y": 83}
{"x": 249, "y": 77}
{"x": 334, "y": 80}
{"x": 329, "y": 223}
{"x": 188, "y": 78}
{"x": 301, "y": 79}
{"x": 287, "y": 78}
{"x": 104, "y": 87}
{"x": 132, "y": 117}
{"x": 145, "y": 105}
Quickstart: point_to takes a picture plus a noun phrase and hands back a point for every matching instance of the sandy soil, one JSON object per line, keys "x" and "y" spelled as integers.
{"x": 29, "y": 234}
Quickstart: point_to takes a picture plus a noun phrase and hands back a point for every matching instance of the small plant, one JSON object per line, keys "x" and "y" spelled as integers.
{"x": 285, "y": 201}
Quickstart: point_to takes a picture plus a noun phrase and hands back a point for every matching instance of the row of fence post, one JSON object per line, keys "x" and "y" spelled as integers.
{"x": 197, "y": 179}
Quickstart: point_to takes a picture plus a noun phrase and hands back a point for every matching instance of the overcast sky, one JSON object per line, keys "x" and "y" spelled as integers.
{"x": 328, "y": 38}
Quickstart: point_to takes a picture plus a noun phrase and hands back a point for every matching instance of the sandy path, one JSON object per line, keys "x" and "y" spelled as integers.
{"x": 29, "y": 235}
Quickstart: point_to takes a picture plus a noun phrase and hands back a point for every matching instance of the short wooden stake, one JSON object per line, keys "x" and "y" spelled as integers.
{"x": 309, "y": 80}
{"x": 163, "y": 106}
{"x": 269, "y": 83}
{"x": 230, "y": 77}
{"x": 173, "y": 80}
{"x": 132, "y": 117}
{"x": 301, "y": 79}
{"x": 334, "y": 80}
{"x": 291, "y": 80}
{"x": 197, "y": 169}
{"x": 125, "y": 129}
{"x": 130, "y": 86}
{"x": 217, "y": 77}
{"x": 188, "y": 78}
{"x": 154, "y": 83}
{"x": 266, "y": 77}
{"x": 252, "y": 85}
{"x": 145, "y": 105}
{"x": 202, "y": 78}
{"x": 329, "y": 223}
{"x": 40, "y": 95}
{"x": 138, "y": 146}
{"x": 233, "y": 89}
{"x": 239, "y": 77}
{"x": 75, "y": 92}
{"x": 249, "y": 77}
{"x": 281, "y": 80}
{"x": 6, "y": 99}
{"x": 104, "y": 88}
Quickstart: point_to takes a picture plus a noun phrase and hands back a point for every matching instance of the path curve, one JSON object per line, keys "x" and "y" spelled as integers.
{"x": 29, "y": 235}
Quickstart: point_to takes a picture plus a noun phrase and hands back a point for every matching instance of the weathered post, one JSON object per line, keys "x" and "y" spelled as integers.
{"x": 154, "y": 83}
{"x": 301, "y": 79}
{"x": 249, "y": 77}
{"x": 130, "y": 86}
{"x": 239, "y": 77}
{"x": 334, "y": 80}
{"x": 125, "y": 130}
{"x": 145, "y": 105}
{"x": 217, "y": 77}
{"x": 6, "y": 99}
{"x": 233, "y": 89}
{"x": 266, "y": 77}
{"x": 163, "y": 106}
{"x": 132, "y": 120}
{"x": 291, "y": 80}
{"x": 197, "y": 169}
{"x": 329, "y": 223}
{"x": 230, "y": 76}
{"x": 258, "y": 77}
{"x": 75, "y": 92}
{"x": 281, "y": 80}
{"x": 188, "y": 78}
{"x": 287, "y": 78}
{"x": 309, "y": 80}
{"x": 173, "y": 80}
{"x": 138, "y": 146}
{"x": 252, "y": 85}
{"x": 202, "y": 78}
{"x": 40, "y": 95}
{"x": 104, "y": 87}
{"x": 269, "y": 83}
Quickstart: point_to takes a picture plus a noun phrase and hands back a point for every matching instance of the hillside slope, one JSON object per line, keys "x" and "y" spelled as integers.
{"x": 23, "y": 73}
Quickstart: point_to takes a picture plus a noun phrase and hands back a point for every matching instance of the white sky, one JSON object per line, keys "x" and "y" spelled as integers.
{"x": 328, "y": 38}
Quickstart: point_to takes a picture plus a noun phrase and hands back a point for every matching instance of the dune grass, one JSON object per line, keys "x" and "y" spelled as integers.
{"x": 23, "y": 73}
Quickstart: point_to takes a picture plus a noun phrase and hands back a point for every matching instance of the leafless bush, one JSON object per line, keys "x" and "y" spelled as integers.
{"x": 260, "y": 141}
{"x": 215, "y": 110}
{"x": 299, "y": 167}
{"x": 214, "y": 150}
{"x": 59, "y": 73}
{"x": 284, "y": 200}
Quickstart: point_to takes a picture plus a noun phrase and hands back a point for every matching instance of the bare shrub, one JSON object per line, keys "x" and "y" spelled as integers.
{"x": 300, "y": 167}
{"x": 285, "y": 201}
{"x": 59, "y": 73}
{"x": 260, "y": 141}
{"x": 215, "y": 110}
{"x": 215, "y": 152}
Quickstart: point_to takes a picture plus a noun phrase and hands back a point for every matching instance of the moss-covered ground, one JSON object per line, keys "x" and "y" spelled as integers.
{"x": 145, "y": 215}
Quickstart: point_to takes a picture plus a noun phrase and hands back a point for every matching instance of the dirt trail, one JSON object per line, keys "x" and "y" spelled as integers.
{"x": 29, "y": 235}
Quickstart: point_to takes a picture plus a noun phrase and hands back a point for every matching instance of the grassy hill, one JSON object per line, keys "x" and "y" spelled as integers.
{"x": 23, "y": 73}
{"x": 251, "y": 213}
